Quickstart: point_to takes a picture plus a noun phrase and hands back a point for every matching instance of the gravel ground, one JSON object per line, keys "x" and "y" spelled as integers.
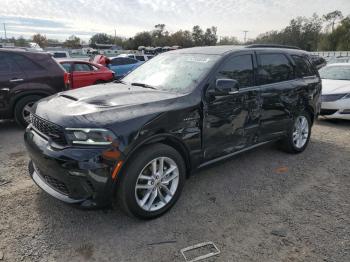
{"x": 264, "y": 205}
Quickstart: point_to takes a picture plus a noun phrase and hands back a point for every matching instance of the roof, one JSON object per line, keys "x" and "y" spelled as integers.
{"x": 23, "y": 50}
{"x": 224, "y": 49}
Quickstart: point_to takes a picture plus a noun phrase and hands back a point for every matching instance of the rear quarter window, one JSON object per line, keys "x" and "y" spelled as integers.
{"x": 26, "y": 64}
{"x": 302, "y": 66}
{"x": 274, "y": 68}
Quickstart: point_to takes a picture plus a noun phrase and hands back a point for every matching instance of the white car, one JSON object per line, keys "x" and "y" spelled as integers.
{"x": 336, "y": 91}
{"x": 139, "y": 57}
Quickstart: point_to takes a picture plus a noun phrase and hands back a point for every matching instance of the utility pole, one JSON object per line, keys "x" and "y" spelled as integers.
{"x": 115, "y": 37}
{"x": 245, "y": 35}
{"x": 5, "y": 31}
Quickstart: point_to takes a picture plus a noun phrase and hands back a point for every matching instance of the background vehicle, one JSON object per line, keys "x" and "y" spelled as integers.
{"x": 26, "y": 77}
{"x": 123, "y": 65}
{"x": 180, "y": 111}
{"x": 339, "y": 59}
{"x": 86, "y": 73}
{"x": 138, "y": 57}
{"x": 60, "y": 54}
{"x": 336, "y": 91}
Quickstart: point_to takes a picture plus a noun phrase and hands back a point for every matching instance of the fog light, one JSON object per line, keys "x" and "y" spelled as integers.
{"x": 76, "y": 173}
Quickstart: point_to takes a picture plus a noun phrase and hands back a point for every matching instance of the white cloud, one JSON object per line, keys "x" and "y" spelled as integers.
{"x": 85, "y": 17}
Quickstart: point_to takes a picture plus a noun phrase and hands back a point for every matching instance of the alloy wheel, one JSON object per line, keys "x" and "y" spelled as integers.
{"x": 157, "y": 183}
{"x": 300, "y": 132}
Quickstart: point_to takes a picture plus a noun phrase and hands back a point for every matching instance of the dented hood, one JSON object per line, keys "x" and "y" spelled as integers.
{"x": 103, "y": 104}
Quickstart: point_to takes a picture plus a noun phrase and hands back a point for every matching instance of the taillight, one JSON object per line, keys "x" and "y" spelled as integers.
{"x": 66, "y": 79}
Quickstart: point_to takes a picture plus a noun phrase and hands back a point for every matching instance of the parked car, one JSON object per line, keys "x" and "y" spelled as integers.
{"x": 86, "y": 73}
{"x": 123, "y": 65}
{"x": 60, "y": 54}
{"x": 339, "y": 59}
{"x": 336, "y": 91}
{"x": 180, "y": 111}
{"x": 26, "y": 77}
{"x": 138, "y": 57}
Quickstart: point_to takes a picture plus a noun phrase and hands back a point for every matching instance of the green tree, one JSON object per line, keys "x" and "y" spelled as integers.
{"x": 142, "y": 39}
{"x": 181, "y": 38}
{"x": 228, "y": 40}
{"x": 331, "y": 19}
{"x": 197, "y": 35}
{"x": 210, "y": 37}
{"x": 39, "y": 39}
{"x": 72, "y": 42}
{"x": 101, "y": 38}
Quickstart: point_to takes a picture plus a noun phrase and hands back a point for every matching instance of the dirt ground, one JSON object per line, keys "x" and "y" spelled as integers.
{"x": 264, "y": 205}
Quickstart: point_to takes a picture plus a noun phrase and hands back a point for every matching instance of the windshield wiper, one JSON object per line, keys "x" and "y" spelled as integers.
{"x": 143, "y": 85}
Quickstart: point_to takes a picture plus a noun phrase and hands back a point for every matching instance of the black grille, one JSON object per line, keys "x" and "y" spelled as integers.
{"x": 331, "y": 98}
{"x": 325, "y": 112}
{"x": 55, "y": 132}
{"x": 58, "y": 185}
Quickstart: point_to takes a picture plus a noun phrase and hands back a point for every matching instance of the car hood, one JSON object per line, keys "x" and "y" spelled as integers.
{"x": 101, "y": 105}
{"x": 330, "y": 86}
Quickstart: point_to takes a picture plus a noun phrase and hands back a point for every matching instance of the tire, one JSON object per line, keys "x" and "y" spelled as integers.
{"x": 99, "y": 82}
{"x": 21, "y": 109}
{"x": 131, "y": 198}
{"x": 291, "y": 143}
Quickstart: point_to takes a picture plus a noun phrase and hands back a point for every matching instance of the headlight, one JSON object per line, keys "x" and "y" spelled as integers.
{"x": 346, "y": 96}
{"x": 90, "y": 136}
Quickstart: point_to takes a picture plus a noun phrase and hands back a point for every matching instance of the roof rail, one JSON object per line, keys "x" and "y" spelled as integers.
{"x": 272, "y": 46}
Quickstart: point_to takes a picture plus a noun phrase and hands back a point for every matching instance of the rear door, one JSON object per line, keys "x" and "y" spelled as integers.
{"x": 82, "y": 75}
{"x": 231, "y": 122}
{"x": 279, "y": 92}
{"x": 12, "y": 79}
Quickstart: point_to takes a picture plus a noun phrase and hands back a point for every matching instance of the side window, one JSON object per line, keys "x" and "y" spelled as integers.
{"x": 302, "y": 67}
{"x": 26, "y": 64}
{"x": 274, "y": 68}
{"x": 117, "y": 61}
{"x": 67, "y": 66}
{"x": 239, "y": 68}
{"x": 129, "y": 61}
{"x": 140, "y": 58}
{"x": 80, "y": 67}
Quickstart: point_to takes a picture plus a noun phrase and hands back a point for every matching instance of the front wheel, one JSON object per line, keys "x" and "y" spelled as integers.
{"x": 23, "y": 108}
{"x": 152, "y": 181}
{"x": 298, "y": 136}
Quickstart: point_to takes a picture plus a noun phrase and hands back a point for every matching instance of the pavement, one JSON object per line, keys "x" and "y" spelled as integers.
{"x": 263, "y": 205}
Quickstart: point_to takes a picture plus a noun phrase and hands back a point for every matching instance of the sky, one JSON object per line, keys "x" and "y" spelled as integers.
{"x": 59, "y": 19}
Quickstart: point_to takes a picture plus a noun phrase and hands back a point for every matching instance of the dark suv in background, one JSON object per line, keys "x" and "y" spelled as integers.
{"x": 180, "y": 111}
{"x": 26, "y": 77}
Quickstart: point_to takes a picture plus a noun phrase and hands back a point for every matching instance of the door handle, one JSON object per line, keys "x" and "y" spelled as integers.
{"x": 16, "y": 80}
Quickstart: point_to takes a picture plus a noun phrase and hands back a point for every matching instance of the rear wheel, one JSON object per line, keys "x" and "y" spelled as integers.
{"x": 23, "y": 107}
{"x": 299, "y": 134}
{"x": 152, "y": 181}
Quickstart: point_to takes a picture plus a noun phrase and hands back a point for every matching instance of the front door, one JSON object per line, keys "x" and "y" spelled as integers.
{"x": 231, "y": 122}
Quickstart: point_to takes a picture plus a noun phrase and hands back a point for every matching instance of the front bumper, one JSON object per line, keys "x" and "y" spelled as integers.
{"x": 339, "y": 109}
{"x": 79, "y": 176}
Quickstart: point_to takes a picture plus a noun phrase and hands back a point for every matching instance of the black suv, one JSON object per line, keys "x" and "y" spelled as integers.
{"x": 180, "y": 111}
{"x": 26, "y": 77}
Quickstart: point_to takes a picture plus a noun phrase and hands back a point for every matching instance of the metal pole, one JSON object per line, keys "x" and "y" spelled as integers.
{"x": 5, "y": 31}
{"x": 245, "y": 35}
{"x": 115, "y": 37}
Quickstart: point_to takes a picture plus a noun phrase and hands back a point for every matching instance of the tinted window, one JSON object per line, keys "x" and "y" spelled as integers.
{"x": 67, "y": 66}
{"x": 239, "y": 68}
{"x": 123, "y": 61}
{"x": 59, "y": 55}
{"x": 81, "y": 67}
{"x": 25, "y": 63}
{"x": 302, "y": 67}
{"x": 140, "y": 58}
{"x": 274, "y": 68}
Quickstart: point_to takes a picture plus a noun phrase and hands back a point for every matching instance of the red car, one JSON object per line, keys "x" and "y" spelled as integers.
{"x": 86, "y": 73}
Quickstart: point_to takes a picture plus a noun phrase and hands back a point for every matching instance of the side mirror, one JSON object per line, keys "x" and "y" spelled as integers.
{"x": 224, "y": 87}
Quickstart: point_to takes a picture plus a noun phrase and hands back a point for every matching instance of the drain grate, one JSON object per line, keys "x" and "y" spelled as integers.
{"x": 199, "y": 251}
